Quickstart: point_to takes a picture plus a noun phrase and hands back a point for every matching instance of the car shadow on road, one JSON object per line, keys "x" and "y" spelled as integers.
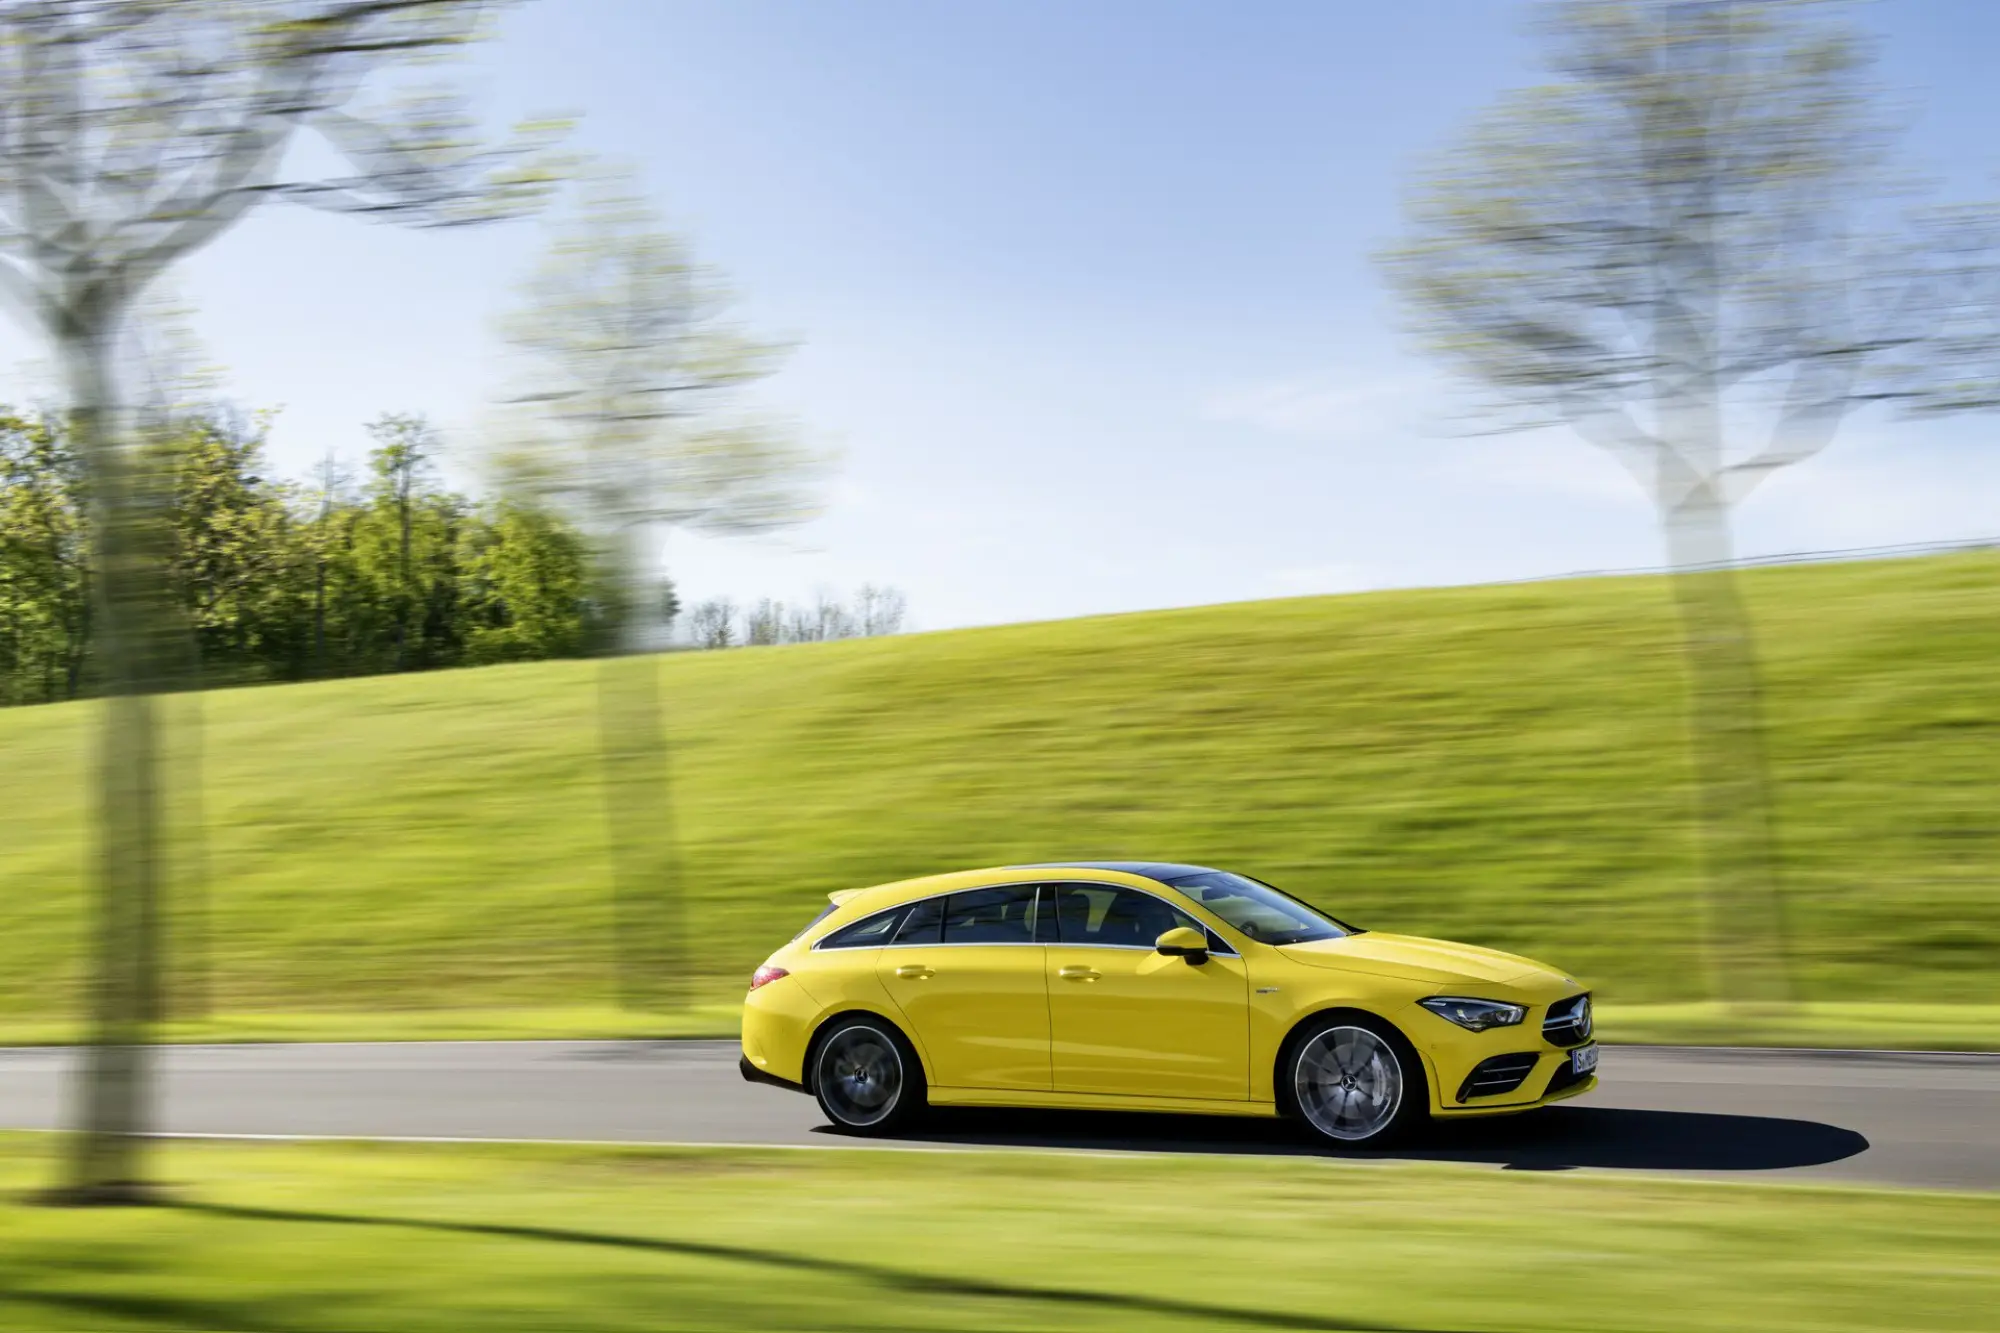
{"x": 1557, "y": 1138}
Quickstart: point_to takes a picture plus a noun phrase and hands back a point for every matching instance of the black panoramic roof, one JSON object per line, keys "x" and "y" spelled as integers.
{"x": 1159, "y": 870}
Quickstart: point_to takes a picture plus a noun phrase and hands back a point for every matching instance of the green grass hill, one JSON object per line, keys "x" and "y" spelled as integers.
{"x": 1503, "y": 765}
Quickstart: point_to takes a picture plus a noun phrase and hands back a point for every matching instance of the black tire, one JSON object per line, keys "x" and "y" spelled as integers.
{"x": 866, "y": 1076}
{"x": 1353, "y": 1081}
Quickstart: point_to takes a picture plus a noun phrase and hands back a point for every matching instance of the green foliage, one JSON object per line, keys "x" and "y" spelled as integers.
{"x": 278, "y": 582}
{"x": 1505, "y": 766}
{"x": 44, "y": 580}
{"x": 233, "y": 548}
{"x": 527, "y": 573}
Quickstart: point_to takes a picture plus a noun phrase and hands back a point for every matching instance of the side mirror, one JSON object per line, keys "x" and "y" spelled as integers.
{"x": 1184, "y": 942}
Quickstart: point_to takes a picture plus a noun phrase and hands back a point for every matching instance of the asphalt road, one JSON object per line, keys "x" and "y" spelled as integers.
{"x": 1905, "y": 1119}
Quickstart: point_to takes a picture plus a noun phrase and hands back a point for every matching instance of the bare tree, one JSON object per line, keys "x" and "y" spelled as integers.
{"x": 712, "y": 624}
{"x": 132, "y": 134}
{"x": 764, "y": 623}
{"x": 876, "y": 610}
{"x": 822, "y": 620}
{"x": 1686, "y": 247}
{"x": 633, "y": 372}
{"x": 880, "y": 610}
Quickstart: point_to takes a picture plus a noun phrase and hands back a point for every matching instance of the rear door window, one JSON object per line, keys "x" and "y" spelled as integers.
{"x": 991, "y": 916}
{"x": 925, "y": 923}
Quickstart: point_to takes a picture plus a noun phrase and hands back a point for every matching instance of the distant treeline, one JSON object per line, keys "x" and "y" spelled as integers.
{"x": 720, "y": 623}
{"x": 281, "y": 580}
{"x": 339, "y": 575}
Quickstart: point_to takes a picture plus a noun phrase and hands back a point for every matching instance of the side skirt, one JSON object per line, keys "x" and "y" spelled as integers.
{"x": 1029, "y": 1098}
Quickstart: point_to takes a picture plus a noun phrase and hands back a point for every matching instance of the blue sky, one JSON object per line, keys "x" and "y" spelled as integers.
{"x": 1083, "y": 294}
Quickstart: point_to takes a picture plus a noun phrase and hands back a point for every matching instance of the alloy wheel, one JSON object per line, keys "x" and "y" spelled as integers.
{"x": 860, "y": 1076}
{"x": 1349, "y": 1083}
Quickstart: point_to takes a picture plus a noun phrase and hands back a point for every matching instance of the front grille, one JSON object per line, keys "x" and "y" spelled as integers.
{"x": 1564, "y": 1077}
{"x": 1497, "y": 1074}
{"x": 1568, "y": 1022}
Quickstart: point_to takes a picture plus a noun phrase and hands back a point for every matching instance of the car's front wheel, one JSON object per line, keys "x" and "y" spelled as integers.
{"x": 867, "y": 1078}
{"x": 1353, "y": 1081}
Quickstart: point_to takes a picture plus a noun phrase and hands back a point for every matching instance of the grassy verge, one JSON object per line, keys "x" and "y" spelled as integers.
{"x": 1499, "y": 765}
{"x": 1878, "y": 1026}
{"x": 300, "y": 1239}
{"x": 1910, "y": 1027}
{"x": 576, "y": 1021}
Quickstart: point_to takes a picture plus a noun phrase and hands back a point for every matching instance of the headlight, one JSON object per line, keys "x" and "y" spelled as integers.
{"x": 1476, "y": 1015}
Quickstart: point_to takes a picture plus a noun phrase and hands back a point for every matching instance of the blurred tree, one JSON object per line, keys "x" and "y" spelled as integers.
{"x": 669, "y": 607}
{"x": 177, "y": 416}
{"x": 133, "y": 133}
{"x": 1690, "y": 229}
{"x": 632, "y": 371}
{"x": 1958, "y": 367}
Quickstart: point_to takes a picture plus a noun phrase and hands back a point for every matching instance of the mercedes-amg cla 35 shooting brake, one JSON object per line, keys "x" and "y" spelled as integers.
{"x": 1138, "y": 985}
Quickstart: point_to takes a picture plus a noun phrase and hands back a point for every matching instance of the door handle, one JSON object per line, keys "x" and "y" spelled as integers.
{"x": 1079, "y": 973}
{"x": 914, "y": 972}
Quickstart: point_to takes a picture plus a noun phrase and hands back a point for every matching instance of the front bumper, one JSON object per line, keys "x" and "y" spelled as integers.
{"x": 1552, "y": 1078}
{"x": 1501, "y": 1069}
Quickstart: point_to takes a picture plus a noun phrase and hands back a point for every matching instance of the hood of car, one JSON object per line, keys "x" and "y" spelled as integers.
{"x": 1416, "y": 959}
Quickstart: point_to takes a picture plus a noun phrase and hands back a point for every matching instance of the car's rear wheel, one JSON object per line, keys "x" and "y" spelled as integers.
{"x": 1353, "y": 1081}
{"x": 867, "y": 1078}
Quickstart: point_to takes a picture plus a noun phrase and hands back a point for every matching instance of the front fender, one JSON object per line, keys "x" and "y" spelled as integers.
{"x": 1284, "y": 994}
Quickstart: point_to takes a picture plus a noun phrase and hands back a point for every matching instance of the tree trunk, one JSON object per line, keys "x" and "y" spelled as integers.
{"x": 319, "y": 619}
{"x": 105, "y": 1163}
{"x": 1743, "y": 923}
{"x": 647, "y": 918}
{"x": 405, "y": 598}
{"x": 191, "y": 951}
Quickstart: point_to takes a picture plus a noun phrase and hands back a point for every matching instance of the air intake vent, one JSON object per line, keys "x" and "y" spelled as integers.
{"x": 1568, "y": 1022}
{"x": 1497, "y": 1074}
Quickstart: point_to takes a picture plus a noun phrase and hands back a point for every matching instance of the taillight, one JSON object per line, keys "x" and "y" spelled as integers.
{"x": 765, "y": 975}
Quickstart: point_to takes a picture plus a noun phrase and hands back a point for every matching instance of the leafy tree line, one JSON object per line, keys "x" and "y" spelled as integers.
{"x": 281, "y": 580}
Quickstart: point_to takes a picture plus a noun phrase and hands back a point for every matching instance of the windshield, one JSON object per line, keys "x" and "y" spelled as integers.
{"x": 1258, "y": 910}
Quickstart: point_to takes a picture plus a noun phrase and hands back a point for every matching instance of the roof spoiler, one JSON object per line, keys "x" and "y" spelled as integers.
{"x": 839, "y": 896}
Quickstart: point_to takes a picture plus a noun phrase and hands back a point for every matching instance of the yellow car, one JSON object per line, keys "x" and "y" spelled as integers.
{"x": 1141, "y": 985}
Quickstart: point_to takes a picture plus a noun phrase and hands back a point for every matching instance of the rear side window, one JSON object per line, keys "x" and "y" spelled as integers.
{"x": 925, "y": 924}
{"x": 991, "y": 916}
{"x": 866, "y": 933}
{"x": 824, "y": 913}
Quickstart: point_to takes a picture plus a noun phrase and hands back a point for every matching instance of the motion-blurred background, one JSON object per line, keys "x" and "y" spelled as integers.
{"x": 1521, "y": 473}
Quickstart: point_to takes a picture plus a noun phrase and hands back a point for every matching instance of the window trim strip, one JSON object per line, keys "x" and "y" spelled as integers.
{"x": 1228, "y": 950}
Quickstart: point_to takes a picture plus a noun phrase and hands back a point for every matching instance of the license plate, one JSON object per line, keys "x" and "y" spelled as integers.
{"x": 1583, "y": 1060}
